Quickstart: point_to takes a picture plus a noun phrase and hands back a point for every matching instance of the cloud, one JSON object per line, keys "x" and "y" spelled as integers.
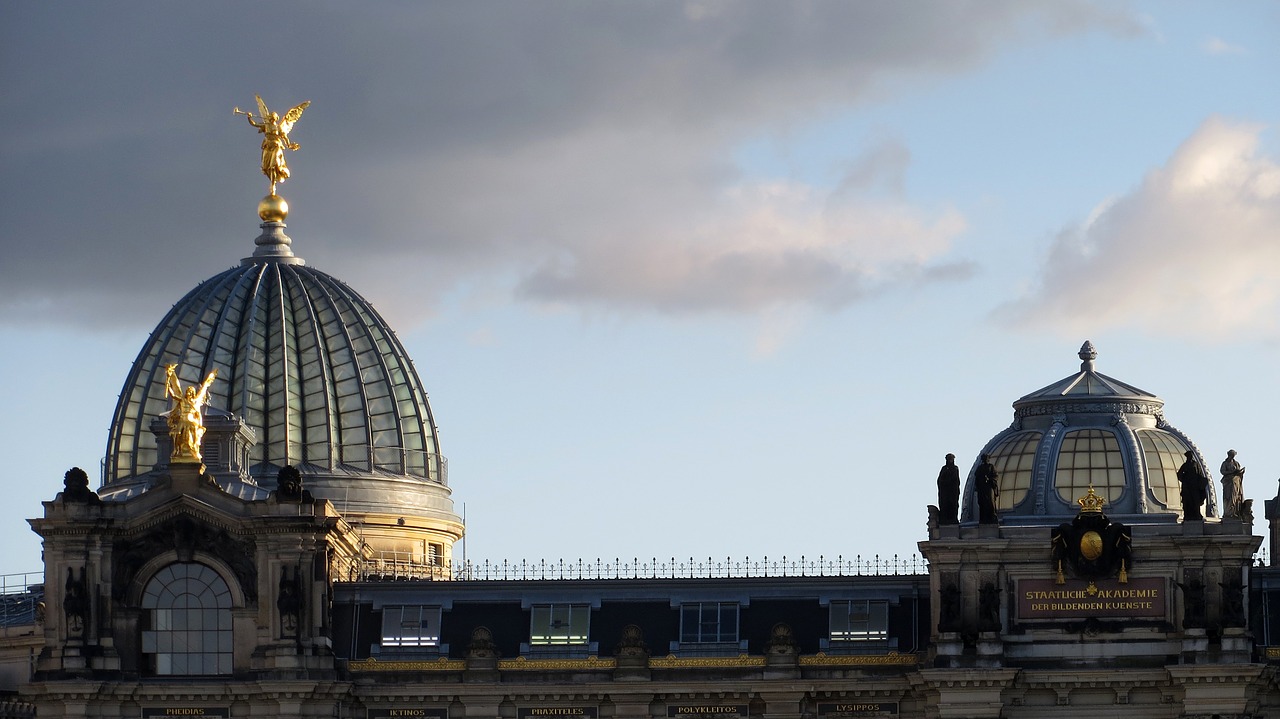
{"x": 482, "y": 337}
{"x": 1218, "y": 46}
{"x": 754, "y": 246}
{"x": 549, "y": 145}
{"x": 1194, "y": 250}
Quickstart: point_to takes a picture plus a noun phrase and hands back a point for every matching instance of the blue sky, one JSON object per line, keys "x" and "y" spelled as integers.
{"x": 682, "y": 279}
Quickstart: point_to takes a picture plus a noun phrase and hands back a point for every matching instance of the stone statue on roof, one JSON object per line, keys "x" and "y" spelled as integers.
{"x": 949, "y": 492}
{"x": 1232, "y": 486}
{"x": 1195, "y": 487}
{"x": 988, "y": 487}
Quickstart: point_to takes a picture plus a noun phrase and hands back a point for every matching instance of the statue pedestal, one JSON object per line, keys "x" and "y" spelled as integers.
{"x": 482, "y": 669}
{"x": 948, "y": 647}
{"x": 782, "y": 665}
{"x": 186, "y": 477}
{"x": 73, "y": 659}
{"x": 990, "y": 650}
{"x": 1195, "y": 642}
{"x": 631, "y": 668}
{"x": 1233, "y": 526}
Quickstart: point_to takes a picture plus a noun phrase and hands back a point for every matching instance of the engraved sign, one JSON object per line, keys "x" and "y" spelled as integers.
{"x": 409, "y": 713}
{"x": 1139, "y": 598}
{"x": 186, "y": 711}
{"x": 840, "y": 710}
{"x": 553, "y": 712}
{"x": 704, "y": 711}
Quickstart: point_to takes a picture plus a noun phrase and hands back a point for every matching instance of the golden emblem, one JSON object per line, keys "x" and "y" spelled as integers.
{"x": 186, "y": 418}
{"x": 275, "y": 131}
{"x": 1091, "y": 545}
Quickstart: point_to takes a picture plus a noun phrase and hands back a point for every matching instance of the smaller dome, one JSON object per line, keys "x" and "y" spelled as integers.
{"x": 1087, "y": 430}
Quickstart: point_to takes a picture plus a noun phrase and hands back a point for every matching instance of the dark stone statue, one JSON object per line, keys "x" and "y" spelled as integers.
{"x": 949, "y": 608}
{"x": 1232, "y": 602}
{"x": 1193, "y": 601}
{"x": 75, "y": 488}
{"x": 988, "y": 491}
{"x": 75, "y": 603}
{"x": 1195, "y": 487}
{"x": 989, "y": 608}
{"x": 949, "y": 492}
{"x": 289, "y": 600}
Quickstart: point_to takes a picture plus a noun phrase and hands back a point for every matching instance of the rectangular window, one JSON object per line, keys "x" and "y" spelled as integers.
{"x": 860, "y": 621}
{"x": 557, "y": 624}
{"x": 708, "y": 622}
{"x": 410, "y": 625}
{"x": 435, "y": 555}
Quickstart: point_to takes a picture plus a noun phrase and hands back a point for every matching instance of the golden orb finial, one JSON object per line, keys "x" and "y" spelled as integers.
{"x": 273, "y": 208}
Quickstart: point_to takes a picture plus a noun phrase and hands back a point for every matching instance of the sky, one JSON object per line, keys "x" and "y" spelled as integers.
{"x": 692, "y": 279}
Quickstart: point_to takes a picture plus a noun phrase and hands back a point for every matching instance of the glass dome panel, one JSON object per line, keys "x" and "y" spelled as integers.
{"x": 1014, "y": 459}
{"x": 1164, "y": 454}
{"x": 1090, "y": 457}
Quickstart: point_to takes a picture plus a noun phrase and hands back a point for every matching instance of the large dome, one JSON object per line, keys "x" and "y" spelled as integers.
{"x": 316, "y": 374}
{"x": 1085, "y": 430}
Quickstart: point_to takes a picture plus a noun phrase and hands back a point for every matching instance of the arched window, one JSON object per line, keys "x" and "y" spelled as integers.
{"x": 1090, "y": 458}
{"x": 1014, "y": 459}
{"x": 187, "y": 621}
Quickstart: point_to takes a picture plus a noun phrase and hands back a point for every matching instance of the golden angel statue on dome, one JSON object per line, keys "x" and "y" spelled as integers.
{"x": 275, "y": 130}
{"x": 186, "y": 418}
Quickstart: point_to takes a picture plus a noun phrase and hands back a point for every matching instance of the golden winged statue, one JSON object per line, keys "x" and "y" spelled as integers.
{"x": 275, "y": 130}
{"x": 186, "y": 418}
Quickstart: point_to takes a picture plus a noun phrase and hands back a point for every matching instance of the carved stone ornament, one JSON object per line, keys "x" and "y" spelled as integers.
{"x": 289, "y": 486}
{"x": 1038, "y": 410}
{"x": 75, "y": 488}
{"x": 481, "y": 645}
{"x": 632, "y": 642}
{"x": 782, "y": 641}
{"x": 185, "y": 535}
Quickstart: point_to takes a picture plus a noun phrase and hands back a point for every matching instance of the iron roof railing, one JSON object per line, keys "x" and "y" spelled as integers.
{"x": 396, "y": 567}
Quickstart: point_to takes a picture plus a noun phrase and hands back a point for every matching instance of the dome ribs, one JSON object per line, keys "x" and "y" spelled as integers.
{"x": 308, "y": 364}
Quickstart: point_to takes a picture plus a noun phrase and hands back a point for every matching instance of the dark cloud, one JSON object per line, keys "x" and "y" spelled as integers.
{"x": 458, "y": 138}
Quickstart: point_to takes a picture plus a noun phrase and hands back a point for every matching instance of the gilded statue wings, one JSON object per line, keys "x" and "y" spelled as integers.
{"x": 290, "y": 117}
{"x": 263, "y": 112}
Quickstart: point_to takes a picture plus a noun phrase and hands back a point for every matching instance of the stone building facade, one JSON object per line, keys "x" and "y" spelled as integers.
{"x": 304, "y": 568}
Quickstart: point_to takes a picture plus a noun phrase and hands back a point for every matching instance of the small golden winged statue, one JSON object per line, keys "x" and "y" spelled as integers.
{"x": 275, "y": 141}
{"x": 186, "y": 418}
